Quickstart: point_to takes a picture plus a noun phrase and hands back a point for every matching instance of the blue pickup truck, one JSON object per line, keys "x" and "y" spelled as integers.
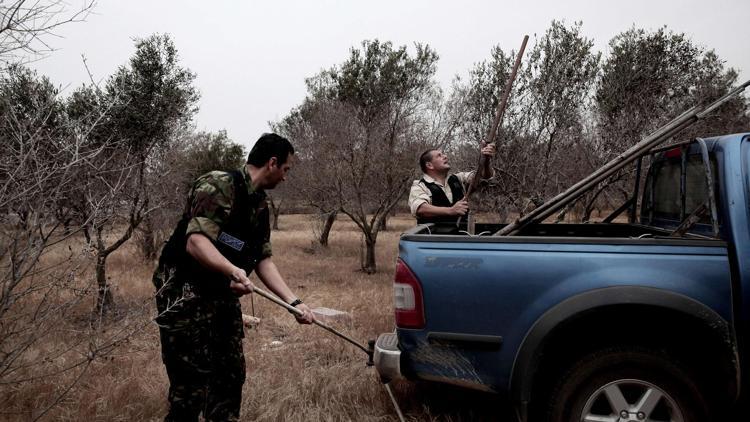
{"x": 643, "y": 320}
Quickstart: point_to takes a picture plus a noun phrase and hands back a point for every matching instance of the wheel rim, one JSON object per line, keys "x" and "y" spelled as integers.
{"x": 630, "y": 400}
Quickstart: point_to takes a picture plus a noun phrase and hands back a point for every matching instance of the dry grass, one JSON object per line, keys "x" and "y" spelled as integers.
{"x": 311, "y": 376}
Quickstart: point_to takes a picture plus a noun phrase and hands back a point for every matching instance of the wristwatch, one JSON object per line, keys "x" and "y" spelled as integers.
{"x": 294, "y": 304}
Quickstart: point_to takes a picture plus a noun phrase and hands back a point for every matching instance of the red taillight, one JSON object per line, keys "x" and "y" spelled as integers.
{"x": 672, "y": 153}
{"x": 407, "y": 298}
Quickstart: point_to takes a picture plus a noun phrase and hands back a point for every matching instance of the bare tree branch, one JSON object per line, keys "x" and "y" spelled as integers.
{"x": 25, "y": 26}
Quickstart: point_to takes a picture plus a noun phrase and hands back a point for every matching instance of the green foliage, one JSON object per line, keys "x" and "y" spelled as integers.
{"x": 646, "y": 75}
{"x": 570, "y": 106}
{"x": 483, "y": 94}
{"x": 376, "y": 77}
{"x": 133, "y": 120}
{"x": 548, "y": 95}
{"x": 561, "y": 71}
{"x": 543, "y": 121}
{"x": 206, "y": 151}
{"x": 82, "y": 104}
{"x": 33, "y": 129}
{"x": 650, "y": 77}
{"x": 152, "y": 97}
{"x": 358, "y": 133}
{"x": 29, "y": 105}
{"x": 141, "y": 107}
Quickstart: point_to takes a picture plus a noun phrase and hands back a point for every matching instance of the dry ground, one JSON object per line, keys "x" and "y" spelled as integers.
{"x": 311, "y": 376}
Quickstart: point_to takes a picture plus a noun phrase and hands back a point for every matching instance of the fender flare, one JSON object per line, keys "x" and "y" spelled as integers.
{"x": 527, "y": 357}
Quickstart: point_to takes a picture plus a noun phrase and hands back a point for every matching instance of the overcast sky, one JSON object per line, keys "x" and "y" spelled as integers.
{"x": 251, "y": 57}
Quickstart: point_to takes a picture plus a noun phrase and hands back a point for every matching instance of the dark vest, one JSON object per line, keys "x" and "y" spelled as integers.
{"x": 240, "y": 243}
{"x": 439, "y": 199}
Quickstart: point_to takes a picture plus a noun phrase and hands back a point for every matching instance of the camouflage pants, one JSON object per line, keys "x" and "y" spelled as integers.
{"x": 201, "y": 340}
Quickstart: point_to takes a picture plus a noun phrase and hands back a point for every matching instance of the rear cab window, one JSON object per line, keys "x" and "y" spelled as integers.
{"x": 661, "y": 200}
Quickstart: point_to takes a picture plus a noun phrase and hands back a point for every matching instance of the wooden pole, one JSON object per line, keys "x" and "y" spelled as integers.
{"x": 296, "y": 311}
{"x": 498, "y": 115}
{"x": 493, "y": 129}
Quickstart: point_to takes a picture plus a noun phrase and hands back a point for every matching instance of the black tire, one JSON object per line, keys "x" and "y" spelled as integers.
{"x": 613, "y": 380}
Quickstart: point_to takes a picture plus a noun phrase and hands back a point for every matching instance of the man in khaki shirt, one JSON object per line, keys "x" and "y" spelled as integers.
{"x": 439, "y": 195}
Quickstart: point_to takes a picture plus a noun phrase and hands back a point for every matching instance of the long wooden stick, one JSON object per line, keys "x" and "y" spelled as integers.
{"x": 296, "y": 311}
{"x": 498, "y": 116}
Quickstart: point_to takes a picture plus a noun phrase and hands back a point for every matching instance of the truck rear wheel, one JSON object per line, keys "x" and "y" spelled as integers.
{"x": 627, "y": 385}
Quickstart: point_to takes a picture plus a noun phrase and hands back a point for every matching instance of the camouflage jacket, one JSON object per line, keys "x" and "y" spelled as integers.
{"x": 210, "y": 204}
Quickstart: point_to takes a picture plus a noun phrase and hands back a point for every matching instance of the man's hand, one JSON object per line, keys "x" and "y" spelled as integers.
{"x": 488, "y": 150}
{"x": 460, "y": 208}
{"x": 239, "y": 282}
{"x": 307, "y": 316}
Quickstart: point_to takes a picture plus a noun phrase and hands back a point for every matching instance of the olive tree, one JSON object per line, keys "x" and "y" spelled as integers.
{"x": 150, "y": 100}
{"x": 43, "y": 166}
{"x": 544, "y": 120}
{"x": 650, "y": 77}
{"x": 357, "y": 133}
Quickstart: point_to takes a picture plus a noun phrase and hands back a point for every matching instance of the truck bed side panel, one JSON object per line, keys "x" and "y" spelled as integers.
{"x": 496, "y": 290}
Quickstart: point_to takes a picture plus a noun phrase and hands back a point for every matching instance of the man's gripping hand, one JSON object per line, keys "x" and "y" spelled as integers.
{"x": 307, "y": 316}
{"x": 239, "y": 283}
{"x": 488, "y": 149}
{"x": 460, "y": 208}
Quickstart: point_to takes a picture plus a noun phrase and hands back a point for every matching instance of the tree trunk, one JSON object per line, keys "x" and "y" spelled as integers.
{"x": 386, "y": 217}
{"x": 330, "y": 219}
{"x": 62, "y": 216}
{"x": 275, "y": 218}
{"x": 66, "y": 226}
{"x": 368, "y": 255}
{"x": 275, "y": 210}
{"x": 104, "y": 299}
{"x": 87, "y": 236}
{"x": 587, "y": 212}
{"x": 147, "y": 240}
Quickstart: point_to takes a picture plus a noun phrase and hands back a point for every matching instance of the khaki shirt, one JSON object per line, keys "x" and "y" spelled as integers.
{"x": 420, "y": 194}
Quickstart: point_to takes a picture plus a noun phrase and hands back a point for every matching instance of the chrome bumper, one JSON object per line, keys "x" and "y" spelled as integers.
{"x": 387, "y": 357}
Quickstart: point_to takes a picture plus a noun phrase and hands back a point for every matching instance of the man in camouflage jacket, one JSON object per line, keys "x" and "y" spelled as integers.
{"x": 203, "y": 270}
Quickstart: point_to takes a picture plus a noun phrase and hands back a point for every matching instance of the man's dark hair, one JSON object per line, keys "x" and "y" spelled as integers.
{"x": 425, "y": 158}
{"x": 267, "y": 146}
